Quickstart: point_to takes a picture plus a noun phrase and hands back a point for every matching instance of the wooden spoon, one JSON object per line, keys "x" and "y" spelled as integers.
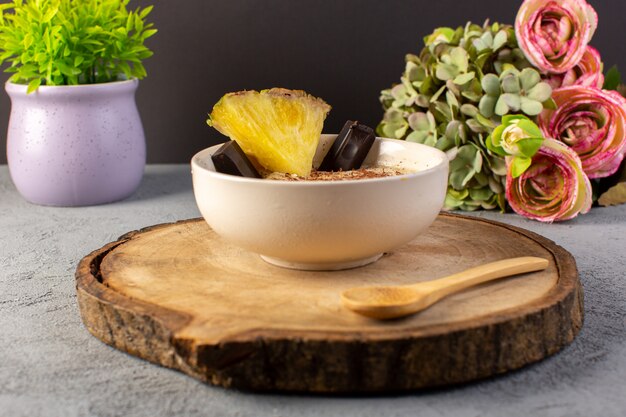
{"x": 388, "y": 302}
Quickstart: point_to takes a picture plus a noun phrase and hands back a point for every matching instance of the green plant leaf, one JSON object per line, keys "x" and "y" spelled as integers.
{"x": 530, "y": 107}
{"x": 148, "y": 33}
{"x": 612, "y": 78}
{"x": 493, "y": 141}
{"x": 495, "y": 149}
{"x": 482, "y": 58}
{"x": 499, "y": 40}
{"x": 550, "y": 104}
{"x": 510, "y": 118}
{"x": 50, "y": 13}
{"x": 73, "y": 41}
{"x": 419, "y": 121}
{"x": 501, "y": 107}
{"x": 66, "y": 69}
{"x": 474, "y": 126}
{"x": 491, "y": 85}
{"x": 487, "y": 105}
{"x": 442, "y": 34}
{"x": 439, "y": 92}
{"x": 446, "y": 72}
{"x": 540, "y": 92}
{"x": 459, "y": 58}
{"x": 452, "y": 100}
{"x": 469, "y": 110}
{"x": 145, "y": 12}
{"x": 529, "y": 78}
{"x": 529, "y": 127}
{"x": 33, "y": 85}
{"x": 480, "y": 194}
{"x": 488, "y": 123}
{"x": 519, "y": 165}
{"x": 417, "y": 136}
{"x": 529, "y": 147}
{"x": 458, "y": 179}
{"x": 464, "y": 78}
{"x": 511, "y": 84}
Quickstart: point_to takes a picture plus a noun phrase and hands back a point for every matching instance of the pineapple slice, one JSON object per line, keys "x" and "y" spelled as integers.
{"x": 279, "y": 128}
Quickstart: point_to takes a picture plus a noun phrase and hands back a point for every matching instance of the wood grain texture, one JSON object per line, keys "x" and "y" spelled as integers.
{"x": 179, "y": 296}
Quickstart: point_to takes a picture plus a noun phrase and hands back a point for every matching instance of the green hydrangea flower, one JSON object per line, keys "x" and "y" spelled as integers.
{"x": 454, "y": 95}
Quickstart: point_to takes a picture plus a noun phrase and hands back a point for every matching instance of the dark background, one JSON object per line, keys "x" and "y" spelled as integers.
{"x": 344, "y": 51}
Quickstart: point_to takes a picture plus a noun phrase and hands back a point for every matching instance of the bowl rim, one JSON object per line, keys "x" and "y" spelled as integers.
{"x": 442, "y": 163}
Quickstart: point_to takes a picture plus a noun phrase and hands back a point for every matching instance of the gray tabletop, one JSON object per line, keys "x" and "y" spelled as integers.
{"x": 51, "y": 366}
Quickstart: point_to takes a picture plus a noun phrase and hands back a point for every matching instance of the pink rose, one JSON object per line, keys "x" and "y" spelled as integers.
{"x": 593, "y": 123}
{"x": 554, "y": 188}
{"x": 588, "y": 72}
{"x": 554, "y": 34}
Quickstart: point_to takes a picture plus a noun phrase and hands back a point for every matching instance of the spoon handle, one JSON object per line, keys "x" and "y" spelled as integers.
{"x": 443, "y": 287}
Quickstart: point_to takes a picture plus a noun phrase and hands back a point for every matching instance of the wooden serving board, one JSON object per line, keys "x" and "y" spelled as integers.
{"x": 180, "y": 296}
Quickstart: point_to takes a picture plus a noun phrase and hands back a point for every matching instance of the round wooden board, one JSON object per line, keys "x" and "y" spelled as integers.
{"x": 178, "y": 295}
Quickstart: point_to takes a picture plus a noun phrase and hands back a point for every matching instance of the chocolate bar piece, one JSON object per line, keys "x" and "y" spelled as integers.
{"x": 350, "y": 148}
{"x": 230, "y": 159}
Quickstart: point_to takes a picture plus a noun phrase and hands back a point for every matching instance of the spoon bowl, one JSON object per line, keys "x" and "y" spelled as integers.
{"x": 385, "y": 302}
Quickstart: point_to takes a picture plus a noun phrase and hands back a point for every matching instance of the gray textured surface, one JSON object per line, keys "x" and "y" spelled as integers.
{"x": 51, "y": 366}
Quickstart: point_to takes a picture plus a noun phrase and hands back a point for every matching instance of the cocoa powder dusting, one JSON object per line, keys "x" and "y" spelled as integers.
{"x": 357, "y": 174}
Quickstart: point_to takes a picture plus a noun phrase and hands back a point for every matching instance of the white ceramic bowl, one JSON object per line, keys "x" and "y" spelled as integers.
{"x": 326, "y": 225}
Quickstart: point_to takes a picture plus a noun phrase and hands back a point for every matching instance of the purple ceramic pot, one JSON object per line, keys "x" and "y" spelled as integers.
{"x": 75, "y": 145}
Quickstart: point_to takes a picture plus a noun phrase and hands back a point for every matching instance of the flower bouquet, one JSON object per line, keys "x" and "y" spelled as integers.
{"x": 526, "y": 115}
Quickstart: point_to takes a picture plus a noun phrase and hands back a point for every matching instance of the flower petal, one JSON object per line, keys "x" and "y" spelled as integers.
{"x": 554, "y": 188}
{"x": 554, "y": 34}
{"x": 593, "y": 123}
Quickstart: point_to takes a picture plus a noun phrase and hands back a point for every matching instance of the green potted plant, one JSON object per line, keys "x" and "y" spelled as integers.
{"x": 75, "y": 136}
